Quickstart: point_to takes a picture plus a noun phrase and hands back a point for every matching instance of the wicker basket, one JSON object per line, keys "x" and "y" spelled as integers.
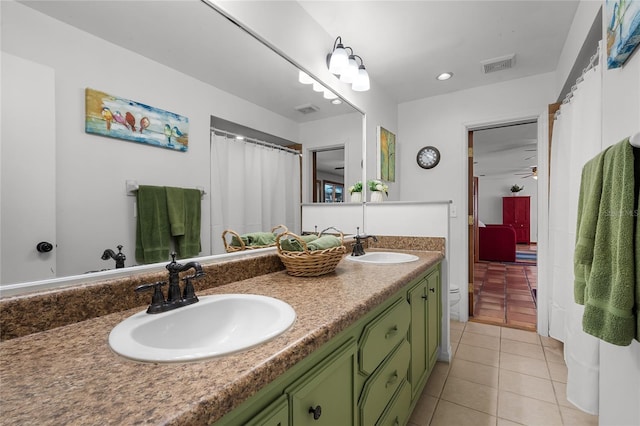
{"x": 231, "y": 249}
{"x": 310, "y": 263}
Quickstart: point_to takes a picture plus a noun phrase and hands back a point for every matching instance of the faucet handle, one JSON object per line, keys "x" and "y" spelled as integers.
{"x": 157, "y": 300}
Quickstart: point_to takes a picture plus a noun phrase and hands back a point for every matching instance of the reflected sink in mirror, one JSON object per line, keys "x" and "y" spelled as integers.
{"x": 217, "y": 325}
{"x": 384, "y": 257}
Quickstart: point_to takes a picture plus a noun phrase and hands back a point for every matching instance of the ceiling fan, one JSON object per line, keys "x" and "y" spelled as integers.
{"x": 532, "y": 173}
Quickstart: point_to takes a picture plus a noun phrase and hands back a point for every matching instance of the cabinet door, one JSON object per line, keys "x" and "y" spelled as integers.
{"x": 276, "y": 414}
{"x": 326, "y": 394}
{"x": 433, "y": 317}
{"x": 418, "y": 335}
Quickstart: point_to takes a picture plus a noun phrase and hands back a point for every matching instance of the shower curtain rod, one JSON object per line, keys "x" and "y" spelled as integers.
{"x": 593, "y": 61}
{"x": 256, "y": 141}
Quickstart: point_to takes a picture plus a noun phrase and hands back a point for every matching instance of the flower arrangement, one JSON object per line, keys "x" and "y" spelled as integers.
{"x": 357, "y": 187}
{"x": 377, "y": 185}
{"x": 515, "y": 188}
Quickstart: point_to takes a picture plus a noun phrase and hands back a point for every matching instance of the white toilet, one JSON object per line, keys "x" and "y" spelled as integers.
{"x": 454, "y": 300}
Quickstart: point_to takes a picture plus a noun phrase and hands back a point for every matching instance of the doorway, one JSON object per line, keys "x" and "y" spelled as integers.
{"x": 327, "y": 170}
{"x": 503, "y": 250}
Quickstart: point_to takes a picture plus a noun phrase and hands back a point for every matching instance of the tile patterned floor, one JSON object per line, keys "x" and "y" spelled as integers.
{"x": 500, "y": 377}
{"x": 503, "y": 293}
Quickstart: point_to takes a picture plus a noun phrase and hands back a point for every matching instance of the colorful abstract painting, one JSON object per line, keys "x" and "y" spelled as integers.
{"x": 386, "y": 155}
{"x": 623, "y": 30}
{"x": 115, "y": 117}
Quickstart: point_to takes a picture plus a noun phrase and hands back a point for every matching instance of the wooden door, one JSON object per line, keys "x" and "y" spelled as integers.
{"x": 471, "y": 231}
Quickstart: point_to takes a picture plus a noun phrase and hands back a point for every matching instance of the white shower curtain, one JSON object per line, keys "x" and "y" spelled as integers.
{"x": 253, "y": 188}
{"x": 577, "y": 138}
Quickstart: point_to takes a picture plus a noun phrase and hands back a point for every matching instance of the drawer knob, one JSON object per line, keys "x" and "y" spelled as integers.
{"x": 425, "y": 297}
{"x": 392, "y": 332}
{"x": 392, "y": 379}
{"x": 317, "y": 412}
{"x": 432, "y": 290}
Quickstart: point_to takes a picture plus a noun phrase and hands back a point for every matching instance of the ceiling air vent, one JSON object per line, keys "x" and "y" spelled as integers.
{"x": 307, "y": 108}
{"x": 498, "y": 64}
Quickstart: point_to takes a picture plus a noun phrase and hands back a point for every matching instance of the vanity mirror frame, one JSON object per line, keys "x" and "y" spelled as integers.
{"x": 8, "y": 289}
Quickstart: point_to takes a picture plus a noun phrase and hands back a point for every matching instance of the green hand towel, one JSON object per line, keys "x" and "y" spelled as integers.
{"x": 324, "y": 242}
{"x": 291, "y": 244}
{"x": 188, "y": 244}
{"x": 152, "y": 230}
{"x": 610, "y": 283}
{"x": 176, "y": 210}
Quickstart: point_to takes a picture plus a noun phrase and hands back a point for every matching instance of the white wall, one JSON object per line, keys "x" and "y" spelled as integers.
{"x": 490, "y": 193}
{"x": 620, "y": 366}
{"x": 93, "y": 210}
{"x": 442, "y": 121}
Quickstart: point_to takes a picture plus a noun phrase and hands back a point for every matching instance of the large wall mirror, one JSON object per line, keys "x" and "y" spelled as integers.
{"x": 67, "y": 187}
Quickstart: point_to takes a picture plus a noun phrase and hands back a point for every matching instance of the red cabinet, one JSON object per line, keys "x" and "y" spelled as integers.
{"x": 516, "y": 212}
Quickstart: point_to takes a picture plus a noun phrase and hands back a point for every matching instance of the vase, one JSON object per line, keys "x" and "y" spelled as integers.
{"x": 376, "y": 197}
{"x": 356, "y": 197}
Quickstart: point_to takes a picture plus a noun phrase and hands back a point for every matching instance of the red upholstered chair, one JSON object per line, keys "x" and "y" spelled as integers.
{"x": 497, "y": 243}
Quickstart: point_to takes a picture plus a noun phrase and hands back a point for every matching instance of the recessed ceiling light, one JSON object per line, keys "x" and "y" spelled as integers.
{"x": 336, "y": 101}
{"x": 444, "y": 76}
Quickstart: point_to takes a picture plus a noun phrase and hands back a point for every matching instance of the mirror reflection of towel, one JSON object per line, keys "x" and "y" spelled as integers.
{"x": 188, "y": 244}
{"x": 152, "y": 230}
{"x": 176, "y": 209}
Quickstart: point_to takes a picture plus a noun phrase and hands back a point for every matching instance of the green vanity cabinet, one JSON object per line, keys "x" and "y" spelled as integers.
{"x": 276, "y": 414}
{"x": 371, "y": 373}
{"x": 424, "y": 332}
{"x": 434, "y": 316}
{"x": 326, "y": 394}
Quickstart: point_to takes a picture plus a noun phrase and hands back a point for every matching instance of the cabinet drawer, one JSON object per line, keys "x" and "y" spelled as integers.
{"x": 326, "y": 394}
{"x": 383, "y": 334}
{"x": 397, "y": 412}
{"x": 382, "y": 384}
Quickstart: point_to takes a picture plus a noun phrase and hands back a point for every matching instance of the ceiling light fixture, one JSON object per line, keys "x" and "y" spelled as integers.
{"x": 346, "y": 67}
{"x": 444, "y": 76}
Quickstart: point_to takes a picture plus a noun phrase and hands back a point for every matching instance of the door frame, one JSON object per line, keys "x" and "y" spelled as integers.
{"x": 542, "y": 119}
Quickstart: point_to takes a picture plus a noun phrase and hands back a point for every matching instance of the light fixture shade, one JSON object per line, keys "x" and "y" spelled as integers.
{"x": 361, "y": 83}
{"x": 328, "y": 94}
{"x": 339, "y": 60}
{"x": 304, "y": 78}
{"x": 351, "y": 72}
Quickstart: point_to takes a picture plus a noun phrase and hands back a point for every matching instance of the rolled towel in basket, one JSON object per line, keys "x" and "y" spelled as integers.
{"x": 294, "y": 245}
{"x": 324, "y": 242}
{"x": 255, "y": 239}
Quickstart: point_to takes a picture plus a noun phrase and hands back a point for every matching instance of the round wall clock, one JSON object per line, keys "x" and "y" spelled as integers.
{"x": 428, "y": 157}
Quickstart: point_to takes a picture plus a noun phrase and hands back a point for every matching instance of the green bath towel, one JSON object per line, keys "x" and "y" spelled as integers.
{"x": 588, "y": 206}
{"x": 176, "y": 210}
{"x": 255, "y": 239}
{"x": 291, "y": 244}
{"x": 610, "y": 292}
{"x": 188, "y": 244}
{"x": 152, "y": 230}
{"x": 324, "y": 242}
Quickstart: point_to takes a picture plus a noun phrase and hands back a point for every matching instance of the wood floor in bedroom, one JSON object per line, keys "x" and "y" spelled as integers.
{"x": 505, "y": 293}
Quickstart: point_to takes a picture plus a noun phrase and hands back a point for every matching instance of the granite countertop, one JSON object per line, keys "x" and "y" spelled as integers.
{"x": 69, "y": 375}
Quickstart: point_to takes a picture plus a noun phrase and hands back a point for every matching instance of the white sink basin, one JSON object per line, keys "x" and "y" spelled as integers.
{"x": 216, "y": 325}
{"x": 384, "y": 257}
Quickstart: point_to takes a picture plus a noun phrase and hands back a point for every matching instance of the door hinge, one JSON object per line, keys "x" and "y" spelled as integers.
{"x": 470, "y": 220}
{"x": 470, "y": 151}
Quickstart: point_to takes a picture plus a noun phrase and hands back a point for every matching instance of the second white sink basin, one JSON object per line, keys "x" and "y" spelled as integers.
{"x": 216, "y": 325}
{"x": 384, "y": 257}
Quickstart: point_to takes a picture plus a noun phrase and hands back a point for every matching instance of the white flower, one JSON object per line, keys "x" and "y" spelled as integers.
{"x": 379, "y": 187}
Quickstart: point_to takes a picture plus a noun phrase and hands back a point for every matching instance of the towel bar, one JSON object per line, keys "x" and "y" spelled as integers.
{"x": 132, "y": 188}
